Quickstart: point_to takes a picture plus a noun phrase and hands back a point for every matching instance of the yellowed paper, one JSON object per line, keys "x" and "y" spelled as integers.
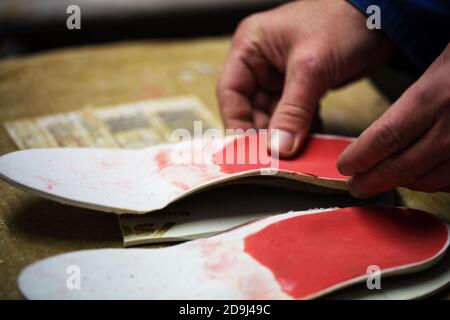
{"x": 130, "y": 125}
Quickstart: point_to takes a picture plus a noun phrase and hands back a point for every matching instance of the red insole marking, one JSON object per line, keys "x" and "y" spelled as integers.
{"x": 162, "y": 159}
{"x": 184, "y": 178}
{"x": 50, "y": 184}
{"x": 318, "y": 156}
{"x": 310, "y": 253}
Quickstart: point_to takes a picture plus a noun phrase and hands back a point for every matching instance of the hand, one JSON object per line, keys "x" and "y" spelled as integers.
{"x": 409, "y": 145}
{"x": 282, "y": 61}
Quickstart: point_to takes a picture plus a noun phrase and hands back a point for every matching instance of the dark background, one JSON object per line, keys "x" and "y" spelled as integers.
{"x": 28, "y": 26}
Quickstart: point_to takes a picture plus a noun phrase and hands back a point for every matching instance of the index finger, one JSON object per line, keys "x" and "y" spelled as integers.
{"x": 236, "y": 86}
{"x": 396, "y": 129}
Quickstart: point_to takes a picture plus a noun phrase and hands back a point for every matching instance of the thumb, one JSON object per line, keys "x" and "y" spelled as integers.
{"x": 292, "y": 117}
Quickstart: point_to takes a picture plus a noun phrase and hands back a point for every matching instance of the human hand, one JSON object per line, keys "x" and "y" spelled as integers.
{"x": 409, "y": 145}
{"x": 283, "y": 60}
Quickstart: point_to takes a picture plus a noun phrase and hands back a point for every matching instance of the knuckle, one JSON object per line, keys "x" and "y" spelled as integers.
{"x": 421, "y": 95}
{"x": 398, "y": 172}
{"x": 389, "y": 139}
{"x": 248, "y": 21}
{"x": 246, "y": 28}
{"x": 292, "y": 111}
{"x": 309, "y": 64}
{"x": 310, "y": 60}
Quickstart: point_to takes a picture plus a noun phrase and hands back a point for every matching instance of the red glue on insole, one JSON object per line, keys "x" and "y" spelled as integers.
{"x": 311, "y": 253}
{"x": 317, "y": 157}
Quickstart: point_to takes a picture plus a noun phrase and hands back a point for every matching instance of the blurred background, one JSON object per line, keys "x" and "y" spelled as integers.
{"x": 28, "y": 26}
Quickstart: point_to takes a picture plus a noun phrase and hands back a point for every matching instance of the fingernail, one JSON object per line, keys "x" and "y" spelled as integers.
{"x": 281, "y": 141}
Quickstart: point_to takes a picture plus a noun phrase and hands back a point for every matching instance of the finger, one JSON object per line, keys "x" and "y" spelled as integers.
{"x": 403, "y": 168}
{"x": 406, "y": 120}
{"x": 268, "y": 78}
{"x": 295, "y": 111}
{"x": 438, "y": 179}
{"x": 236, "y": 86}
{"x": 250, "y": 46}
{"x": 260, "y": 119}
{"x": 262, "y": 101}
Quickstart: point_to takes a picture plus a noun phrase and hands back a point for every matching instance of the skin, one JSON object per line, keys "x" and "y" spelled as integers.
{"x": 282, "y": 62}
{"x": 412, "y": 150}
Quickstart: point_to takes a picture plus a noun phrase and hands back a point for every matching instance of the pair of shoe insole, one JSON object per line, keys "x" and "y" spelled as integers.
{"x": 291, "y": 256}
